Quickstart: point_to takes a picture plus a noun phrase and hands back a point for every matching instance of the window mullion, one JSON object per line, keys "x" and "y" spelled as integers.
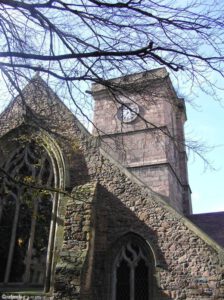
{"x": 51, "y": 239}
{"x": 114, "y": 283}
{"x": 31, "y": 241}
{"x": 132, "y": 282}
{"x": 12, "y": 242}
{"x": 1, "y": 207}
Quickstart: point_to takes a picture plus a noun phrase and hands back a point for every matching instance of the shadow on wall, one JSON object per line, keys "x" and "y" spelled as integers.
{"x": 113, "y": 223}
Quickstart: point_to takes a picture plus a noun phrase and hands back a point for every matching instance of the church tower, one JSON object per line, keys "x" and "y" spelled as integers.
{"x": 140, "y": 120}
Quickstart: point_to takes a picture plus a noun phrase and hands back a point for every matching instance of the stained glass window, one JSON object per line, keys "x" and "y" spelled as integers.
{"x": 25, "y": 216}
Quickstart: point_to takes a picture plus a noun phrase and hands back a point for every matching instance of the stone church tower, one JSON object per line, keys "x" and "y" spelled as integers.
{"x": 141, "y": 121}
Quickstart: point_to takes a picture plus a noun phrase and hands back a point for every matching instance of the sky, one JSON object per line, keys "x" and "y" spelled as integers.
{"x": 206, "y": 123}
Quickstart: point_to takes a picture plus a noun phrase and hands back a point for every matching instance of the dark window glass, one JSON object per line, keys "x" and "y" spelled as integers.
{"x": 141, "y": 281}
{"x": 132, "y": 273}
{"x": 123, "y": 281}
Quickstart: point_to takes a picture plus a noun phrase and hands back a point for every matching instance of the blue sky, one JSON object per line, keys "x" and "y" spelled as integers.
{"x": 207, "y": 124}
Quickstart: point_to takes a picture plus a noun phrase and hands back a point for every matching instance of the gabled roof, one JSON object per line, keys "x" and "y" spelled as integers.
{"x": 212, "y": 224}
{"x": 38, "y": 103}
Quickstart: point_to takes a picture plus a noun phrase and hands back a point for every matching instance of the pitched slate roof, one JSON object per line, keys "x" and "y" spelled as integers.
{"x": 212, "y": 224}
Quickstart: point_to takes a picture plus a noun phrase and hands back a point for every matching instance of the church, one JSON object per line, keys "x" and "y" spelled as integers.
{"x": 107, "y": 215}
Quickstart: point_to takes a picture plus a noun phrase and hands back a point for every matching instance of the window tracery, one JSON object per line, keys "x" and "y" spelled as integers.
{"x": 25, "y": 216}
{"x": 132, "y": 272}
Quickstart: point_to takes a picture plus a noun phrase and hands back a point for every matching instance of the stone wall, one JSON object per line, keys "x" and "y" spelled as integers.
{"x": 189, "y": 267}
{"x": 190, "y": 264}
{"x": 74, "y": 269}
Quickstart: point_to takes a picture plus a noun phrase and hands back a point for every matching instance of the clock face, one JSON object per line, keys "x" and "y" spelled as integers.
{"x": 128, "y": 112}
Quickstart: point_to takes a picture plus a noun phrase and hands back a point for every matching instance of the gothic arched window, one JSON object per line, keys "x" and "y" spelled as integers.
{"x": 132, "y": 271}
{"x": 26, "y": 211}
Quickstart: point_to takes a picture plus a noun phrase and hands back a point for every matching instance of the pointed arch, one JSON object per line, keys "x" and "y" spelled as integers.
{"x": 133, "y": 269}
{"x": 34, "y": 172}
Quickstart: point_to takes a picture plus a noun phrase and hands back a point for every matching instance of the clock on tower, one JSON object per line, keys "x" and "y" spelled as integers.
{"x": 128, "y": 112}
